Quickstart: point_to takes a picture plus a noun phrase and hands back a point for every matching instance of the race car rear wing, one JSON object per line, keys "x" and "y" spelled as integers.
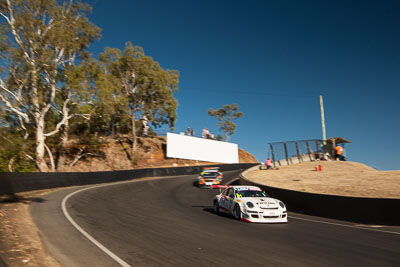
{"x": 205, "y": 169}
{"x": 219, "y": 186}
{"x": 210, "y": 168}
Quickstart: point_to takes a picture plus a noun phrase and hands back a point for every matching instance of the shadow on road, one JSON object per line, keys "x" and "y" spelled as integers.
{"x": 13, "y": 198}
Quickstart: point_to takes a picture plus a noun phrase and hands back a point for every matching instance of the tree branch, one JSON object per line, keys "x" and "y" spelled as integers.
{"x": 16, "y": 96}
{"x": 14, "y": 109}
{"x": 11, "y": 21}
{"x": 81, "y": 155}
{"x": 51, "y": 157}
{"x": 65, "y": 118}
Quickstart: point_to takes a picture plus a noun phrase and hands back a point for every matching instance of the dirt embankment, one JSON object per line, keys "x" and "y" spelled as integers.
{"x": 336, "y": 178}
{"x": 114, "y": 154}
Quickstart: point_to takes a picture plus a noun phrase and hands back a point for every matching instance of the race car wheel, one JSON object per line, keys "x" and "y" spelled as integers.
{"x": 237, "y": 213}
{"x": 216, "y": 206}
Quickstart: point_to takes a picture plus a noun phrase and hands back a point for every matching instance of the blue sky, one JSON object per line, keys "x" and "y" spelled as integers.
{"x": 274, "y": 59}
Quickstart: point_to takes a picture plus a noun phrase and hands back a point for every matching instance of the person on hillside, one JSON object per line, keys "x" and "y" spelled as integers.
{"x": 268, "y": 163}
{"x": 338, "y": 153}
{"x": 204, "y": 133}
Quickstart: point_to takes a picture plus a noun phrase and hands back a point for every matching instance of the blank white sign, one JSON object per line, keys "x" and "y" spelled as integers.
{"x": 195, "y": 148}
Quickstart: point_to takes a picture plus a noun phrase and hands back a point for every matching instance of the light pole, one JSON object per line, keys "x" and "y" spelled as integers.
{"x": 321, "y": 103}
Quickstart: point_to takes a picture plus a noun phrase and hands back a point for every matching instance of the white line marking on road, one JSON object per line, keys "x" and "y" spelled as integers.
{"x": 94, "y": 241}
{"x": 344, "y": 225}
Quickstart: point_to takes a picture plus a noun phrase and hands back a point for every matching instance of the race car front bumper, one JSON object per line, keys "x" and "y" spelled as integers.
{"x": 207, "y": 185}
{"x": 262, "y": 217}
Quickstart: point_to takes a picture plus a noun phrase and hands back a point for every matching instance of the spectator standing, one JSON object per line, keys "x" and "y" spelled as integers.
{"x": 338, "y": 153}
{"x": 268, "y": 163}
{"x": 204, "y": 133}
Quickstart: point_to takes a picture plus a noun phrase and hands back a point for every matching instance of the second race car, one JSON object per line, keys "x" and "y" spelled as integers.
{"x": 209, "y": 176}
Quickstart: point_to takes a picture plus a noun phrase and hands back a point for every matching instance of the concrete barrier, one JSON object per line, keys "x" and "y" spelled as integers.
{"x": 14, "y": 182}
{"x": 356, "y": 209}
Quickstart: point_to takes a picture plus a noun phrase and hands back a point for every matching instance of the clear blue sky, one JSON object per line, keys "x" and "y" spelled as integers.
{"x": 274, "y": 58}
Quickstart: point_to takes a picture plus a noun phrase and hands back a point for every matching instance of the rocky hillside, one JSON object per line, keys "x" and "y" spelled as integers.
{"x": 113, "y": 154}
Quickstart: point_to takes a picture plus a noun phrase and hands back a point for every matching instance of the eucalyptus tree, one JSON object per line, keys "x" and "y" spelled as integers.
{"x": 225, "y": 115}
{"x": 143, "y": 86}
{"x": 111, "y": 115}
{"x": 43, "y": 43}
{"x": 77, "y": 83}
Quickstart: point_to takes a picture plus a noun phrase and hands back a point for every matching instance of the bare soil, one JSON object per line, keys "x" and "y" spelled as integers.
{"x": 20, "y": 243}
{"x": 336, "y": 178}
{"x": 114, "y": 154}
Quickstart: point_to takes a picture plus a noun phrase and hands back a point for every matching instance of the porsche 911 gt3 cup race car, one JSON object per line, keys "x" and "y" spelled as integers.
{"x": 250, "y": 204}
{"x": 209, "y": 176}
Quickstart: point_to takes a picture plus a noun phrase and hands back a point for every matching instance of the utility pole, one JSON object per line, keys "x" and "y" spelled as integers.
{"x": 321, "y": 103}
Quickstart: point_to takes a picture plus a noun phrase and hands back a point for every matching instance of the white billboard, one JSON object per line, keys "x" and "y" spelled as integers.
{"x": 194, "y": 148}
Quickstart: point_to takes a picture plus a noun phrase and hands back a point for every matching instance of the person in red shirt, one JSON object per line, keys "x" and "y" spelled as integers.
{"x": 268, "y": 163}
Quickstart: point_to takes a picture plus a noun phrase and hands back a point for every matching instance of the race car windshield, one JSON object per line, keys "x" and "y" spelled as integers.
{"x": 210, "y": 175}
{"x": 251, "y": 193}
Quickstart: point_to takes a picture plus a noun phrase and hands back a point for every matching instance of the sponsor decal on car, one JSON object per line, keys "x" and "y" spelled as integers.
{"x": 247, "y": 188}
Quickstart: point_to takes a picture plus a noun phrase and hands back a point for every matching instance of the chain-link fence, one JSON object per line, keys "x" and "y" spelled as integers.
{"x": 290, "y": 152}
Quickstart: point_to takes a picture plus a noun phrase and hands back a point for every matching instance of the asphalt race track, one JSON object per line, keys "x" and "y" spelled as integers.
{"x": 169, "y": 222}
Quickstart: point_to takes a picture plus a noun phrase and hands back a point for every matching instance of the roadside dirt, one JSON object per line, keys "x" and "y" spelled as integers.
{"x": 20, "y": 243}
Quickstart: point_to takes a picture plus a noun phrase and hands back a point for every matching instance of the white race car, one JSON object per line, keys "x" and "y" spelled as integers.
{"x": 250, "y": 204}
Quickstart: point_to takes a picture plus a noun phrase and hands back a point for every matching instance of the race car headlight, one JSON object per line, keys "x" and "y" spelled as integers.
{"x": 250, "y": 205}
{"x": 281, "y": 204}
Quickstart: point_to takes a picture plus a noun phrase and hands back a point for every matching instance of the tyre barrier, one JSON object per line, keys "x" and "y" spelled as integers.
{"x": 384, "y": 211}
{"x": 16, "y": 182}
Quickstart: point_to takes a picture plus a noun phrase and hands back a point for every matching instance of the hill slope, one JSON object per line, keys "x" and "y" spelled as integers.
{"x": 113, "y": 154}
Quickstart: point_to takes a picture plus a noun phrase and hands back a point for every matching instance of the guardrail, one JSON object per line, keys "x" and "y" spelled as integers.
{"x": 355, "y": 209}
{"x": 13, "y": 182}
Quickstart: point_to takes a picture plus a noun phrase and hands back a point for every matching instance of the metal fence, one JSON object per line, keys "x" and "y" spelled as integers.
{"x": 290, "y": 152}
{"x": 198, "y": 133}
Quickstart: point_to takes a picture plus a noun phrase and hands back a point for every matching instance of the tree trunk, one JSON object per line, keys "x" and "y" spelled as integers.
{"x": 11, "y": 163}
{"x": 133, "y": 134}
{"x": 226, "y": 136}
{"x": 40, "y": 149}
{"x": 63, "y": 148}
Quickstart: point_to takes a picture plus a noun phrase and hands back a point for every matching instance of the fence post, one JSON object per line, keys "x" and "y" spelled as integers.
{"x": 286, "y": 153}
{"x": 272, "y": 153}
{"x": 300, "y": 159}
{"x": 316, "y": 146}
{"x": 308, "y": 150}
